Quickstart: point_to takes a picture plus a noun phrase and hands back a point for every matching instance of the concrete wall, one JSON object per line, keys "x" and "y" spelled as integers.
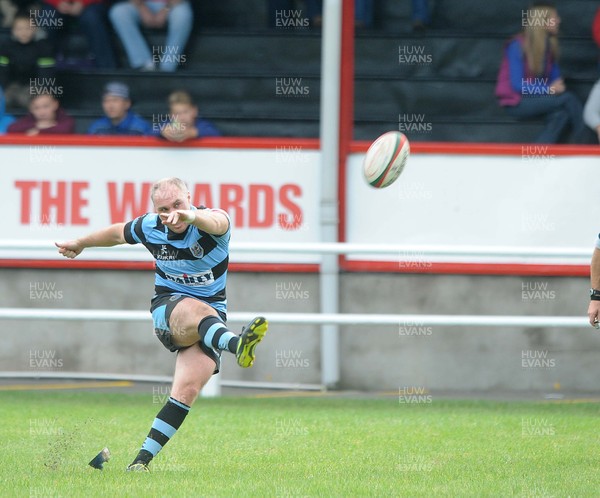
{"x": 377, "y": 358}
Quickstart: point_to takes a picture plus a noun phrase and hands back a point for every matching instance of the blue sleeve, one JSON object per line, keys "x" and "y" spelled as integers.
{"x": 554, "y": 72}
{"x": 94, "y": 128}
{"x": 149, "y": 129}
{"x": 206, "y": 129}
{"x": 514, "y": 54}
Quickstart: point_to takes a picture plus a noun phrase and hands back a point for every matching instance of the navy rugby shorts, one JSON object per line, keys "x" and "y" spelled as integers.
{"x": 161, "y": 307}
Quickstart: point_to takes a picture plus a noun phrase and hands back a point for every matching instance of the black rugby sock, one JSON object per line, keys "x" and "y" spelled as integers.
{"x": 164, "y": 427}
{"x": 215, "y": 334}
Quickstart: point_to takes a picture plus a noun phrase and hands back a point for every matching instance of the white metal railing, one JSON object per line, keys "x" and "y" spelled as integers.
{"x": 402, "y": 250}
{"x": 311, "y": 318}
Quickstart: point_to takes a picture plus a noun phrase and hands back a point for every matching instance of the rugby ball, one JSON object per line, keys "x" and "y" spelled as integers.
{"x": 386, "y": 159}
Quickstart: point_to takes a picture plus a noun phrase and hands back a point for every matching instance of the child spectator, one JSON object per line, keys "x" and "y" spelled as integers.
{"x": 529, "y": 82}
{"x": 45, "y": 117}
{"x": 5, "y": 119}
{"x": 118, "y": 118}
{"x": 91, "y": 17}
{"x": 591, "y": 111}
{"x": 126, "y": 18}
{"x": 183, "y": 122}
{"x": 23, "y": 59}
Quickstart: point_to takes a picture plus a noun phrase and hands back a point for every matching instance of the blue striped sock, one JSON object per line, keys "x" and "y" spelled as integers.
{"x": 216, "y": 335}
{"x": 164, "y": 427}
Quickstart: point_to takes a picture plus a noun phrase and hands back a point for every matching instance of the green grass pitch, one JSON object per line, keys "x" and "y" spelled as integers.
{"x": 298, "y": 447}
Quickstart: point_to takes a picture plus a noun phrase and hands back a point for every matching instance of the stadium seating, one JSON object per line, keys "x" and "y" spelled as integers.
{"x": 234, "y": 61}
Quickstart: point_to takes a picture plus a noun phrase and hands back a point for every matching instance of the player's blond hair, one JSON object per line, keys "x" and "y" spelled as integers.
{"x": 181, "y": 97}
{"x": 537, "y": 38}
{"x": 168, "y": 182}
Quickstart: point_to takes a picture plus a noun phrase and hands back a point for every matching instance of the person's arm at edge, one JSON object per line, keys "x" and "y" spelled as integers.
{"x": 594, "y": 307}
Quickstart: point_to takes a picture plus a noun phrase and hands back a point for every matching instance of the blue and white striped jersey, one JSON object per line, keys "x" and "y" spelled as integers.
{"x": 193, "y": 262}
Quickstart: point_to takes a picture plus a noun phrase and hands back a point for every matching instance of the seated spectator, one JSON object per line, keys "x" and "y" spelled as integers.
{"x": 596, "y": 28}
{"x": 591, "y": 111}
{"x": 45, "y": 117}
{"x": 91, "y": 17}
{"x": 5, "y": 119}
{"x": 23, "y": 59}
{"x": 118, "y": 118}
{"x": 126, "y": 18}
{"x": 420, "y": 15}
{"x": 8, "y": 10}
{"x": 183, "y": 122}
{"x": 530, "y": 84}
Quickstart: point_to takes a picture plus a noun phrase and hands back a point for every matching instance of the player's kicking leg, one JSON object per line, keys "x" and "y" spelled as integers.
{"x": 193, "y": 369}
{"x": 195, "y": 326}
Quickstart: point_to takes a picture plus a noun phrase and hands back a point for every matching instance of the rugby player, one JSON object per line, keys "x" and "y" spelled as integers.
{"x": 191, "y": 249}
{"x": 594, "y": 307}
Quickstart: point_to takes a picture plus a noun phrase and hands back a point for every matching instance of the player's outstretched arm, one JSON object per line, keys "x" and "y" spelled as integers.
{"x": 210, "y": 221}
{"x": 594, "y": 308}
{"x": 106, "y": 237}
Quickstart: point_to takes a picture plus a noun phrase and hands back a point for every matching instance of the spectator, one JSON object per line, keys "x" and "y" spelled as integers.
{"x": 5, "y": 119}
{"x": 23, "y": 59}
{"x": 118, "y": 118}
{"x": 126, "y": 18}
{"x": 591, "y": 111}
{"x": 91, "y": 17}
{"x": 420, "y": 15}
{"x": 529, "y": 82}
{"x": 45, "y": 117}
{"x": 183, "y": 122}
{"x": 8, "y": 10}
{"x": 596, "y": 28}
